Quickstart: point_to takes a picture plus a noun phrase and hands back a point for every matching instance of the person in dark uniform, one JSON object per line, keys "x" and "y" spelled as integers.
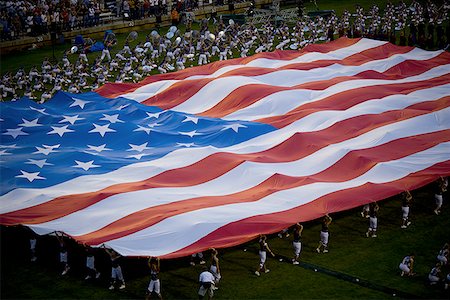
{"x": 263, "y": 249}
{"x": 324, "y": 234}
{"x": 116, "y": 270}
{"x": 441, "y": 187}
{"x": 154, "y": 285}
{"x": 62, "y": 253}
{"x": 90, "y": 264}
{"x": 297, "y": 242}
{"x": 373, "y": 220}
{"x": 406, "y": 203}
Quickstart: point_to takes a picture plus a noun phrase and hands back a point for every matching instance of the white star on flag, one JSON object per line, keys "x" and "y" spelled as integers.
{"x": 40, "y": 163}
{"x": 190, "y": 133}
{"x": 142, "y": 128}
{"x": 71, "y": 119}
{"x": 154, "y": 125}
{"x": 60, "y": 130}
{"x": 122, "y": 106}
{"x": 56, "y": 146}
{"x": 9, "y": 146}
{"x": 102, "y": 129}
{"x": 98, "y": 148}
{"x": 187, "y": 145}
{"x": 46, "y": 150}
{"x": 190, "y": 119}
{"x": 137, "y": 156}
{"x": 234, "y": 126}
{"x": 138, "y": 148}
{"x": 32, "y": 123}
{"x": 78, "y": 102}
{"x": 3, "y": 152}
{"x": 112, "y": 118}
{"x": 42, "y": 111}
{"x": 30, "y": 176}
{"x": 85, "y": 165}
{"x": 153, "y": 115}
{"x": 15, "y": 132}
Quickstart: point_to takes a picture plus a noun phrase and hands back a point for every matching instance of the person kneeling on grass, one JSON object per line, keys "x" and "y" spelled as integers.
{"x": 435, "y": 274}
{"x": 406, "y": 266}
{"x": 206, "y": 280}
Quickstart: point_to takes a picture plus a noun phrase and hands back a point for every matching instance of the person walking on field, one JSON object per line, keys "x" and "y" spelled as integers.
{"x": 116, "y": 270}
{"x": 263, "y": 249}
{"x": 297, "y": 243}
{"x": 62, "y": 253}
{"x": 373, "y": 220}
{"x": 406, "y": 203}
{"x": 154, "y": 285}
{"x": 441, "y": 188}
{"x": 324, "y": 234}
{"x": 90, "y": 264}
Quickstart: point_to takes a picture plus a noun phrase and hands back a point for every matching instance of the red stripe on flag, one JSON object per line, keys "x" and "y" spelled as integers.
{"x": 244, "y": 230}
{"x": 352, "y": 165}
{"x": 296, "y": 147}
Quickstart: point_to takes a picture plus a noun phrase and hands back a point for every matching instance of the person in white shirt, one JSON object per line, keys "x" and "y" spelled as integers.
{"x": 434, "y": 275}
{"x": 206, "y": 280}
{"x": 407, "y": 265}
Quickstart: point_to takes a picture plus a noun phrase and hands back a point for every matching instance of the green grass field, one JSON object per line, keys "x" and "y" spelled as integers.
{"x": 374, "y": 261}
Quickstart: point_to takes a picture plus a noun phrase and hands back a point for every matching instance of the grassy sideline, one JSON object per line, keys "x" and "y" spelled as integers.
{"x": 351, "y": 253}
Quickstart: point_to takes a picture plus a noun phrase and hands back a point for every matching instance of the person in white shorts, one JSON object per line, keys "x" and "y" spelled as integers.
{"x": 441, "y": 188}
{"x": 297, "y": 243}
{"x": 155, "y": 284}
{"x": 116, "y": 270}
{"x": 263, "y": 249}
{"x": 63, "y": 256}
{"x": 406, "y": 203}
{"x": 206, "y": 280}
{"x": 200, "y": 257}
{"x": 324, "y": 234}
{"x": 447, "y": 281}
{"x": 90, "y": 265}
{"x": 407, "y": 265}
{"x": 373, "y": 220}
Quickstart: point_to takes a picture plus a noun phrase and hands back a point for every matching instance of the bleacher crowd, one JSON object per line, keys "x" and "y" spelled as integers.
{"x": 425, "y": 26}
{"x": 39, "y": 17}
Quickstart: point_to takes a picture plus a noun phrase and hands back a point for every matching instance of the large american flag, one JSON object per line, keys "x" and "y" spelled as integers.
{"x": 214, "y": 155}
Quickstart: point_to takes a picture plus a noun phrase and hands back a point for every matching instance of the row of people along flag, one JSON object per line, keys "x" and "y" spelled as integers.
{"x": 212, "y": 156}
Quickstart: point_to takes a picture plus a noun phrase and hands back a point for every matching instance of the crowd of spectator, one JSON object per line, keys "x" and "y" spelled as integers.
{"x": 39, "y": 17}
{"x": 218, "y": 40}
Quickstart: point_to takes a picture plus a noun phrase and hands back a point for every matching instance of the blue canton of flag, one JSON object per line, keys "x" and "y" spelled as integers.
{"x": 81, "y": 134}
